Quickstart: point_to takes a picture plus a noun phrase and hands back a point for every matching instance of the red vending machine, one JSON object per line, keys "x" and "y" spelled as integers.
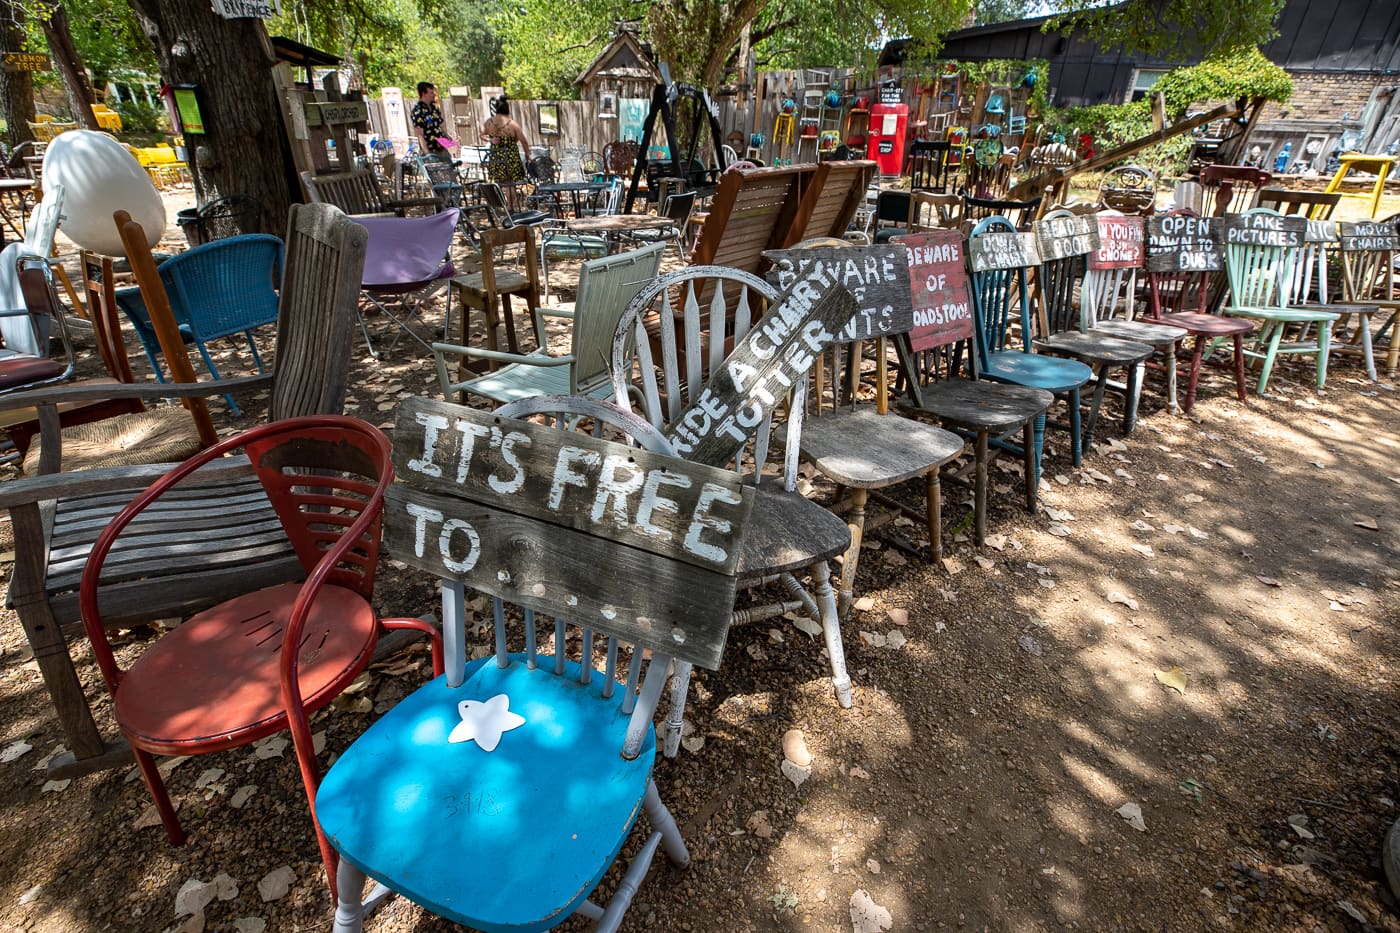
{"x": 889, "y": 123}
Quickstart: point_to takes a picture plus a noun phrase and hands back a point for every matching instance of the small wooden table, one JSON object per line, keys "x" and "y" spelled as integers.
{"x": 613, "y": 226}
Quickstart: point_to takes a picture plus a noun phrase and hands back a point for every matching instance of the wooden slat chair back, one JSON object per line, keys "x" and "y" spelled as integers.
{"x": 931, "y": 211}
{"x": 1262, "y": 248}
{"x": 1368, "y": 252}
{"x": 605, "y": 288}
{"x": 490, "y": 289}
{"x": 1066, "y": 242}
{"x": 830, "y": 203}
{"x": 1314, "y": 205}
{"x": 752, "y": 210}
{"x": 216, "y": 537}
{"x": 539, "y": 759}
{"x": 1231, "y": 189}
{"x": 928, "y": 165}
{"x": 683, "y": 326}
{"x": 358, "y": 192}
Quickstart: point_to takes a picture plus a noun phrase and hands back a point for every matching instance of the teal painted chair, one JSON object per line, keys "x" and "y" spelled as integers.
{"x": 605, "y": 287}
{"x": 1260, "y": 276}
{"x": 511, "y": 826}
{"x": 998, "y": 291}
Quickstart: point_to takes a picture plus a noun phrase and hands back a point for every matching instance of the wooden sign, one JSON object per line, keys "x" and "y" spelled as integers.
{"x": 763, "y": 368}
{"x": 1321, "y": 231}
{"x": 1183, "y": 243}
{"x": 609, "y": 537}
{"x": 1122, "y": 243}
{"x": 335, "y": 112}
{"x": 1061, "y": 236}
{"x": 1264, "y": 230}
{"x": 26, "y": 61}
{"x": 1003, "y": 249}
{"x": 938, "y": 278}
{"x": 247, "y": 9}
{"x": 876, "y": 276}
{"x": 1370, "y": 235}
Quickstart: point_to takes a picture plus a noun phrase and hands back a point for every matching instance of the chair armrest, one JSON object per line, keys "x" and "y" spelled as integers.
{"x": 500, "y": 356}
{"x": 154, "y": 390}
{"x": 32, "y": 489}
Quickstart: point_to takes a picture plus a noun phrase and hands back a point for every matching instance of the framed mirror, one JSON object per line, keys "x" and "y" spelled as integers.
{"x": 549, "y": 119}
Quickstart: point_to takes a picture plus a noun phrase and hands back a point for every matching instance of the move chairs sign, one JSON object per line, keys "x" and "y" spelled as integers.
{"x": 1370, "y": 236}
{"x": 566, "y": 524}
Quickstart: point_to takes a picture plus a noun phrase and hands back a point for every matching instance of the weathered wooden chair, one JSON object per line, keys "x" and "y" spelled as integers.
{"x": 999, "y": 259}
{"x": 263, "y": 660}
{"x": 1066, "y": 240}
{"x": 1019, "y": 214}
{"x": 864, "y": 448}
{"x": 1368, "y": 286}
{"x": 1111, "y": 282}
{"x": 605, "y": 287}
{"x": 1183, "y": 251}
{"x": 930, "y": 211}
{"x": 535, "y": 759}
{"x": 1231, "y": 189}
{"x": 752, "y": 210}
{"x": 490, "y": 289}
{"x": 699, "y": 314}
{"x": 358, "y": 192}
{"x": 931, "y": 358}
{"x": 1261, "y": 248}
{"x": 227, "y": 538}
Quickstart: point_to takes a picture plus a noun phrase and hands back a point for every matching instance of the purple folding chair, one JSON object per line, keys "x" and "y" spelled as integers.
{"x": 406, "y": 257}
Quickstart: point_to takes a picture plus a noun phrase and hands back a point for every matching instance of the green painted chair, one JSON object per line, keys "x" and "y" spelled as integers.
{"x": 1261, "y": 248}
{"x": 605, "y": 287}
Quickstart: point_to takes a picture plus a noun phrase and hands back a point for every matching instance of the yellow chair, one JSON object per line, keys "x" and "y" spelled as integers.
{"x": 46, "y": 128}
{"x": 107, "y": 118}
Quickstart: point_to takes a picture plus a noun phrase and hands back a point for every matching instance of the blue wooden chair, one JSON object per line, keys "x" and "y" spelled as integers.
{"x": 499, "y": 794}
{"x": 605, "y": 286}
{"x": 1259, "y": 278}
{"x": 999, "y": 288}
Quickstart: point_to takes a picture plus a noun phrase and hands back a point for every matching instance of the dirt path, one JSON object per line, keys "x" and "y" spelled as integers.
{"x": 1249, "y": 556}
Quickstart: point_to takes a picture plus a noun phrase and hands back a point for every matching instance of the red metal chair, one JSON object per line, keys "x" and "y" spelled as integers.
{"x": 225, "y": 677}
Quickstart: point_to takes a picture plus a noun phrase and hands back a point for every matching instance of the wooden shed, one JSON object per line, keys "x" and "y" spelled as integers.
{"x": 623, "y": 69}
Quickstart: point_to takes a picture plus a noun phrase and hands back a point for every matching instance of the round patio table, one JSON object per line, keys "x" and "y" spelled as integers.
{"x": 573, "y": 189}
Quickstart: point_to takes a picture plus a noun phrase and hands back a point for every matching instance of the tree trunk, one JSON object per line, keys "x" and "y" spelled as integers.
{"x": 230, "y": 60}
{"x": 16, "y": 87}
{"x": 70, "y": 67}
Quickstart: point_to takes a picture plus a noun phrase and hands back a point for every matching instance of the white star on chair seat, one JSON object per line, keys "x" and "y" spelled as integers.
{"x": 485, "y": 722}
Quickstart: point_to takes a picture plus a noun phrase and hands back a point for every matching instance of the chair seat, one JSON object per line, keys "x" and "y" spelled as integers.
{"x": 1148, "y": 332}
{"x": 515, "y": 381}
{"x": 506, "y": 281}
{"x": 215, "y": 682}
{"x": 1340, "y": 309}
{"x": 529, "y": 218}
{"x": 1285, "y": 315}
{"x": 1037, "y": 370}
{"x": 983, "y": 406}
{"x": 1095, "y": 348}
{"x": 507, "y": 840}
{"x": 788, "y": 532}
{"x": 865, "y": 449}
{"x": 1207, "y": 325}
{"x": 23, "y": 370}
{"x": 159, "y": 435}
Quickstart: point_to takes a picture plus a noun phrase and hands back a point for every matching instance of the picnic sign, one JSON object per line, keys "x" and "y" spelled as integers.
{"x": 938, "y": 279}
{"x": 876, "y": 276}
{"x": 1122, "y": 243}
{"x": 764, "y": 367}
{"x": 610, "y": 537}
{"x": 1183, "y": 243}
{"x": 1370, "y": 236}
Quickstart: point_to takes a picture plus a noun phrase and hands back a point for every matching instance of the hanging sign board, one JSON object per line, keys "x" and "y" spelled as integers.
{"x": 1370, "y": 236}
{"x": 187, "y": 108}
{"x": 1264, "y": 230}
{"x": 1003, "y": 249}
{"x": 1182, "y": 243}
{"x": 1068, "y": 235}
{"x": 1321, "y": 231}
{"x": 25, "y": 61}
{"x": 1122, "y": 242}
{"x": 247, "y": 9}
{"x": 938, "y": 279}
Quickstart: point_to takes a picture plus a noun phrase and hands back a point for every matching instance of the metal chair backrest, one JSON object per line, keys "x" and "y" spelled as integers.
{"x": 1131, "y": 189}
{"x": 229, "y": 216}
{"x": 928, "y": 165}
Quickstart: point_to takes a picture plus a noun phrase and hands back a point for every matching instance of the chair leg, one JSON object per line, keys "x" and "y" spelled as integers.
{"x": 349, "y": 911}
{"x": 1392, "y": 356}
{"x": 214, "y": 371}
{"x": 1076, "y": 440}
{"x": 672, "y": 843}
{"x": 1193, "y": 375}
{"x": 1038, "y": 430}
{"x": 933, "y": 492}
{"x": 1031, "y": 466}
{"x": 855, "y": 520}
{"x": 1134, "y": 395}
{"x": 675, "y": 718}
{"x": 156, "y": 785}
{"x": 611, "y": 918}
{"x": 1101, "y": 384}
{"x": 979, "y": 489}
{"x": 1239, "y": 368}
{"x": 831, "y": 631}
{"x": 1270, "y": 356}
{"x": 1172, "y": 405}
{"x": 1324, "y": 349}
